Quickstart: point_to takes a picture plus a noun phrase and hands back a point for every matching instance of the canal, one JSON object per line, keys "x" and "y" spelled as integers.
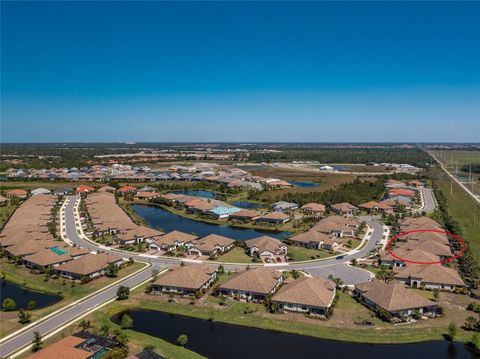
{"x": 167, "y": 221}
{"x": 22, "y": 295}
{"x": 219, "y": 340}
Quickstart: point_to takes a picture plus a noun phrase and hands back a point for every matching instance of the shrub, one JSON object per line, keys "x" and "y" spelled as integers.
{"x": 452, "y": 331}
{"x": 182, "y": 340}
{"x": 8, "y": 304}
{"x": 123, "y": 292}
{"x": 126, "y": 322}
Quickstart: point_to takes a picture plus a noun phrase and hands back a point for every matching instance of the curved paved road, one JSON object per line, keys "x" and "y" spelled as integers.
{"x": 337, "y": 268}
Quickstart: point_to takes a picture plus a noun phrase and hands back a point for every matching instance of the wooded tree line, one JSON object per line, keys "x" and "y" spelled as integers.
{"x": 413, "y": 156}
{"x": 355, "y": 193}
{"x": 474, "y": 166}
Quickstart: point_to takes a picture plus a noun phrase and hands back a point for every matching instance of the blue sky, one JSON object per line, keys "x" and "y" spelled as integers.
{"x": 159, "y": 71}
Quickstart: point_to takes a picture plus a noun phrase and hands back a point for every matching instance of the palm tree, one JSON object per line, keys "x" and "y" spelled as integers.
{"x": 84, "y": 325}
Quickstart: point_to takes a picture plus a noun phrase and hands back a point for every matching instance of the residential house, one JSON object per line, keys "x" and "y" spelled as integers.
{"x": 283, "y": 206}
{"x": 62, "y": 191}
{"x": 40, "y": 191}
{"x": 126, "y": 189}
{"x": 338, "y": 226}
{"x": 267, "y": 248}
{"x": 306, "y": 295}
{"x": 17, "y": 193}
{"x": 402, "y": 192}
{"x": 89, "y": 265}
{"x": 374, "y": 207}
{"x": 315, "y": 209}
{"x": 345, "y": 209}
{"x": 185, "y": 280}
{"x": 3, "y": 200}
{"x": 245, "y": 215}
{"x": 428, "y": 276}
{"x": 394, "y": 298}
{"x": 221, "y": 212}
{"x": 405, "y": 255}
{"x": 210, "y": 245}
{"x": 310, "y": 239}
{"x": 145, "y": 195}
{"x": 84, "y": 189}
{"x": 253, "y": 284}
{"x": 107, "y": 189}
{"x": 273, "y": 218}
{"x": 172, "y": 240}
{"x": 69, "y": 347}
{"x": 52, "y": 257}
{"x": 415, "y": 183}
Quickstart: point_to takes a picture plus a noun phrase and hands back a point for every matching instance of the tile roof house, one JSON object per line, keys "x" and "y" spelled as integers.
{"x": 306, "y": 295}
{"x": 47, "y": 258}
{"x": 338, "y": 226}
{"x": 185, "y": 280}
{"x": 245, "y": 215}
{"x": 429, "y": 277}
{"x": 283, "y": 206}
{"x": 310, "y": 239}
{"x": 393, "y": 297}
{"x": 84, "y": 189}
{"x": 172, "y": 240}
{"x": 89, "y": 265}
{"x": 126, "y": 189}
{"x": 210, "y": 245}
{"x": 374, "y": 207}
{"x": 145, "y": 195}
{"x": 273, "y": 218}
{"x": 395, "y": 192}
{"x": 253, "y": 284}
{"x": 107, "y": 189}
{"x": 18, "y": 193}
{"x": 37, "y": 191}
{"x": 409, "y": 254}
{"x": 68, "y": 347}
{"x": 266, "y": 247}
{"x": 316, "y": 209}
{"x": 221, "y": 212}
{"x": 345, "y": 209}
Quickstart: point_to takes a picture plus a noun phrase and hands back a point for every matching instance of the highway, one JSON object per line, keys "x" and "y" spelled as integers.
{"x": 324, "y": 268}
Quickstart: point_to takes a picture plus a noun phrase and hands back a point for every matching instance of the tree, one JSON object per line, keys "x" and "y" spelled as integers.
{"x": 452, "y": 331}
{"x": 126, "y": 322}
{"x": 36, "y": 342}
{"x": 221, "y": 269}
{"x": 385, "y": 274}
{"x": 295, "y": 274}
{"x": 31, "y": 305}
{"x": 384, "y": 315}
{"x": 149, "y": 347}
{"x": 111, "y": 270}
{"x": 436, "y": 295}
{"x": 8, "y": 304}
{"x": 84, "y": 325}
{"x": 104, "y": 330}
{"x": 470, "y": 323}
{"x": 23, "y": 316}
{"x": 182, "y": 340}
{"x": 123, "y": 292}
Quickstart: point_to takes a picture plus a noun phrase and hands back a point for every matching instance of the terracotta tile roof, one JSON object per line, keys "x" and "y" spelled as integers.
{"x": 314, "y": 207}
{"x": 265, "y": 243}
{"x": 83, "y": 188}
{"x": 418, "y": 222}
{"x": 17, "y": 193}
{"x": 316, "y": 292}
{"x": 88, "y": 264}
{"x": 106, "y": 189}
{"x": 47, "y": 257}
{"x": 3, "y": 199}
{"x": 428, "y": 245}
{"x": 259, "y": 280}
{"x": 175, "y": 236}
{"x": 392, "y": 296}
{"x": 126, "y": 189}
{"x": 190, "y": 276}
{"x": 401, "y": 192}
{"x": 209, "y": 242}
{"x": 311, "y": 236}
{"x": 245, "y": 213}
{"x": 275, "y": 215}
{"x": 344, "y": 207}
{"x": 146, "y": 194}
{"x": 436, "y": 274}
{"x": 414, "y": 255}
{"x": 64, "y": 348}
{"x": 335, "y": 223}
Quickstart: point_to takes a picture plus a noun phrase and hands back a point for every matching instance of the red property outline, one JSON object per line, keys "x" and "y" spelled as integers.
{"x": 460, "y": 240}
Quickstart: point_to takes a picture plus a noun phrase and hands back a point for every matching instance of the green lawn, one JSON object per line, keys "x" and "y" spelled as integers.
{"x": 22, "y": 276}
{"x": 298, "y": 253}
{"x": 463, "y": 209}
{"x": 5, "y": 212}
{"x": 235, "y": 255}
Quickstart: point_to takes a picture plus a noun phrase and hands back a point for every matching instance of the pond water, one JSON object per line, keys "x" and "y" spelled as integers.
{"x": 303, "y": 184}
{"x": 247, "y": 204}
{"x": 197, "y": 193}
{"x": 159, "y": 218}
{"x": 22, "y": 295}
{"x": 218, "y": 340}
